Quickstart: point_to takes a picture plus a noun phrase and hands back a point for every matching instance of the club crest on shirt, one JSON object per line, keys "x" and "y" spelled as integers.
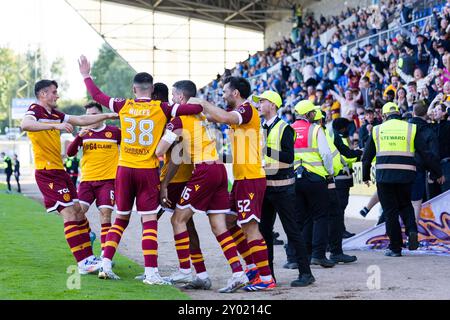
{"x": 241, "y": 110}
{"x": 66, "y": 197}
{"x": 108, "y": 134}
{"x": 251, "y": 195}
{"x": 243, "y": 215}
{"x": 197, "y": 187}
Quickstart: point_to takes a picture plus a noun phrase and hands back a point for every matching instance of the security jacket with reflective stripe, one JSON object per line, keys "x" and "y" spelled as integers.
{"x": 398, "y": 175}
{"x": 284, "y": 154}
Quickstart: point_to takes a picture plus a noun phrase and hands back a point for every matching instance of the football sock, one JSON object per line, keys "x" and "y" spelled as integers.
{"x": 83, "y": 227}
{"x": 198, "y": 261}
{"x": 150, "y": 243}
{"x": 113, "y": 238}
{"x": 104, "y": 232}
{"x": 85, "y": 223}
{"x": 182, "y": 247}
{"x": 75, "y": 241}
{"x": 242, "y": 245}
{"x": 229, "y": 250}
{"x": 260, "y": 257}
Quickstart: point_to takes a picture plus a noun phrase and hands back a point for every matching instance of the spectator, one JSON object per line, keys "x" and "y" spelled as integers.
{"x": 400, "y": 99}
{"x": 366, "y": 129}
{"x": 17, "y": 171}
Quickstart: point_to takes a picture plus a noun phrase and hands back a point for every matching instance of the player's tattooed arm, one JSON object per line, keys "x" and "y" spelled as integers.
{"x": 218, "y": 115}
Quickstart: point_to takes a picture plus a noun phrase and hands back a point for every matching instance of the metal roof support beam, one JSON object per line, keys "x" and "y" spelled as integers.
{"x": 241, "y": 10}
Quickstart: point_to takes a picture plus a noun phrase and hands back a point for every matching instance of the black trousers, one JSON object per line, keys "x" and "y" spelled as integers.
{"x": 280, "y": 199}
{"x": 343, "y": 195}
{"x": 74, "y": 180}
{"x": 8, "y": 178}
{"x": 335, "y": 222}
{"x": 312, "y": 206}
{"x": 395, "y": 199}
{"x": 17, "y": 175}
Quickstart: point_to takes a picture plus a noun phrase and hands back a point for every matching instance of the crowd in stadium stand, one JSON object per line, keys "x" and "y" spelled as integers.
{"x": 411, "y": 65}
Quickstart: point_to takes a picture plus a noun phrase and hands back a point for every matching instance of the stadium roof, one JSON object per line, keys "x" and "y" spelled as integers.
{"x": 250, "y": 14}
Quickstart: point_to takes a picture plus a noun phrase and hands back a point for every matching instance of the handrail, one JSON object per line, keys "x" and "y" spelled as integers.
{"x": 352, "y": 45}
{"x": 356, "y": 43}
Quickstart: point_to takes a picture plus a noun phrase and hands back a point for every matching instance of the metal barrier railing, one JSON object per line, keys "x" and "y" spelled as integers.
{"x": 353, "y": 45}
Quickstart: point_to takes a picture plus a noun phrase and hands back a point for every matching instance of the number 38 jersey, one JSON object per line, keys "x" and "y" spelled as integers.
{"x": 142, "y": 123}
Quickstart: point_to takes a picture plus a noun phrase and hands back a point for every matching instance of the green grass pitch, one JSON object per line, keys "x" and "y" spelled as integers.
{"x": 34, "y": 261}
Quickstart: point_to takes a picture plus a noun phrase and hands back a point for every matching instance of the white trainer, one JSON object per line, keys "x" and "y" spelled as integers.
{"x": 108, "y": 275}
{"x": 155, "y": 279}
{"x": 236, "y": 282}
{"x": 179, "y": 277}
{"x": 90, "y": 266}
{"x": 140, "y": 277}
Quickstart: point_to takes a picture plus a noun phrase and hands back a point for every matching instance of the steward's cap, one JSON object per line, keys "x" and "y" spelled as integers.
{"x": 272, "y": 96}
{"x": 304, "y": 106}
{"x": 390, "y": 107}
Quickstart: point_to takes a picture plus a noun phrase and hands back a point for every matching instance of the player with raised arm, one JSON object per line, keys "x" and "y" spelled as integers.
{"x": 142, "y": 121}
{"x": 44, "y": 123}
{"x": 249, "y": 179}
{"x": 100, "y": 144}
{"x": 206, "y": 191}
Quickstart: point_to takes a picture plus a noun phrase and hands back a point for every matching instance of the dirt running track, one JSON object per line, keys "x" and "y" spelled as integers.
{"x": 409, "y": 277}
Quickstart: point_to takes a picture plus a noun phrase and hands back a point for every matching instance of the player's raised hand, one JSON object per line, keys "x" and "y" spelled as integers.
{"x": 64, "y": 126}
{"x": 85, "y": 66}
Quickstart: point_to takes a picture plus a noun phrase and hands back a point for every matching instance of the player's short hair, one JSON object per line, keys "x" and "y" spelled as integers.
{"x": 43, "y": 84}
{"x": 369, "y": 111}
{"x": 240, "y": 84}
{"x": 420, "y": 108}
{"x": 188, "y": 88}
{"x": 144, "y": 80}
{"x": 93, "y": 105}
{"x": 160, "y": 92}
